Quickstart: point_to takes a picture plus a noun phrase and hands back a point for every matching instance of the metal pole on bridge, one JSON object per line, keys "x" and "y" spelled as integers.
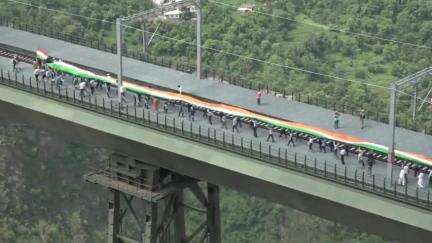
{"x": 144, "y": 36}
{"x": 392, "y": 124}
{"x": 120, "y": 57}
{"x": 198, "y": 32}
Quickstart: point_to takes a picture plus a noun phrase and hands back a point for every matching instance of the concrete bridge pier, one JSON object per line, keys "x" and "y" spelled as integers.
{"x": 160, "y": 218}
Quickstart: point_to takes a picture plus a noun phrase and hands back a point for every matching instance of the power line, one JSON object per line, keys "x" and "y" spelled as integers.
{"x": 278, "y": 64}
{"x": 365, "y": 35}
{"x": 260, "y": 60}
{"x": 60, "y": 11}
{"x": 225, "y": 52}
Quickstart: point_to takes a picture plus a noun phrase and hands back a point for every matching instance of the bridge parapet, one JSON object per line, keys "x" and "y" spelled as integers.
{"x": 217, "y": 138}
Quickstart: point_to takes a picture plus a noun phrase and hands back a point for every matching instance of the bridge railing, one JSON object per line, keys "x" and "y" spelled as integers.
{"x": 184, "y": 66}
{"x": 221, "y": 139}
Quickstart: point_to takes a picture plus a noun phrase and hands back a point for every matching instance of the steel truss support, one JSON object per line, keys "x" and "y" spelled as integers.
{"x": 161, "y": 219}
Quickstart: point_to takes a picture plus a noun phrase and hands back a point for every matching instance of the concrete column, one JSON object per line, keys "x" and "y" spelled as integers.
{"x": 113, "y": 216}
{"x": 213, "y": 214}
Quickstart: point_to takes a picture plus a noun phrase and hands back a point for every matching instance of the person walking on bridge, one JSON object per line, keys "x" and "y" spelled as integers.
{"x": 165, "y": 107}
{"x": 15, "y": 62}
{"x": 336, "y": 120}
{"x": 362, "y": 117}
{"x": 181, "y": 111}
{"x": 192, "y": 113}
{"x": 310, "y": 143}
{"x": 360, "y": 157}
{"x": 210, "y": 116}
{"x": 180, "y": 89}
{"x": 224, "y": 122}
{"x": 235, "y": 124}
{"x": 254, "y": 128}
{"x": 270, "y": 131}
{"x": 122, "y": 91}
{"x": 82, "y": 87}
{"x": 92, "y": 86}
{"x": 342, "y": 155}
{"x": 290, "y": 139}
{"x": 403, "y": 175}
{"x": 258, "y": 97}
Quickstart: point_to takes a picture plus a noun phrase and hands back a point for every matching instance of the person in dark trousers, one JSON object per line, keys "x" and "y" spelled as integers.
{"x": 235, "y": 124}
{"x": 283, "y": 132}
{"x": 108, "y": 89}
{"x": 310, "y": 144}
{"x": 14, "y": 62}
{"x": 181, "y": 111}
{"x": 336, "y": 120}
{"x": 370, "y": 163}
{"x": 342, "y": 155}
{"x": 209, "y": 117}
{"x": 322, "y": 146}
{"x": 270, "y": 131}
{"x": 290, "y": 139}
{"x": 205, "y": 113}
{"x": 335, "y": 148}
{"x": 362, "y": 117}
{"x": 361, "y": 157}
{"x": 258, "y": 97}
{"x": 165, "y": 107}
{"x": 92, "y": 86}
{"x": 191, "y": 113}
{"x": 224, "y": 122}
{"x": 255, "y": 128}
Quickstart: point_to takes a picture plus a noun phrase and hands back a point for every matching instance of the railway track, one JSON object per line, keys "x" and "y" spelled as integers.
{"x": 28, "y": 57}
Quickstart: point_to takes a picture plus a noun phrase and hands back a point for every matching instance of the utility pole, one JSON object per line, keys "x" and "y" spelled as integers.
{"x": 198, "y": 32}
{"x": 143, "y": 25}
{"x": 120, "y": 58}
{"x": 392, "y": 124}
{"x": 414, "y": 103}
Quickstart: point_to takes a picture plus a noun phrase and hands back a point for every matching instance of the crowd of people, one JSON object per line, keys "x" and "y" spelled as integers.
{"x": 88, "y": 87}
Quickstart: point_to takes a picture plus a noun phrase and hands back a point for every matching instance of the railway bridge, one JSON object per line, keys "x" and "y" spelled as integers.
{"x": 157, "y": 156}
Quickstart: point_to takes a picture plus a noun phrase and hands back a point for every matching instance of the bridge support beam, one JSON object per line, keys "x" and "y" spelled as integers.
{"x": 113, "y": 216}
{"x": 213, "y": 214}
{"x": 164, "y": 206}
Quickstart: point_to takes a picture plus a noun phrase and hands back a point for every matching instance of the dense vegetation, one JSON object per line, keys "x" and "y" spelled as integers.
{"x": 44, "y": 197}
{"x": 309, "y": 42}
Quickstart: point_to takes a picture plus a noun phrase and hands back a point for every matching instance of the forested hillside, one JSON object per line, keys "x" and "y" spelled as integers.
{"x": 42, "y": 197}
{"x": 296, "y": 33}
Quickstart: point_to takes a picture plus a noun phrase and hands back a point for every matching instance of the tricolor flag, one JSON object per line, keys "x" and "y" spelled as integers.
{"x": 41, "y": 54}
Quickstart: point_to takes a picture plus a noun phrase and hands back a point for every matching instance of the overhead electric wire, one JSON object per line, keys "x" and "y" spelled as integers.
{"x": 226, "y": 52}
{"x": 365, "y": 35}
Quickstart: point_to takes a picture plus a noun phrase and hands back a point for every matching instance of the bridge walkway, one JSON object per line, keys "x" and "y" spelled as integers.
{"x": 324, "y": 161}
{"x": 274, "y": 106}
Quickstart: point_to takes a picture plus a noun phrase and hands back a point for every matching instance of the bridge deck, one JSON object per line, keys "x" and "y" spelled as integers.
{"x": 279, "y": 107}
{"x": 301, "y": 147}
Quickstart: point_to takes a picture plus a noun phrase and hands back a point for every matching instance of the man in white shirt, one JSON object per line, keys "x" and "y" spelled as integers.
{"x": 421, "y": 183}
{"x": 81, "y": 87}
{"x": 403, "y": 175}
{"x": 342, "y": 155}
{"x": 122, "y": 91}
